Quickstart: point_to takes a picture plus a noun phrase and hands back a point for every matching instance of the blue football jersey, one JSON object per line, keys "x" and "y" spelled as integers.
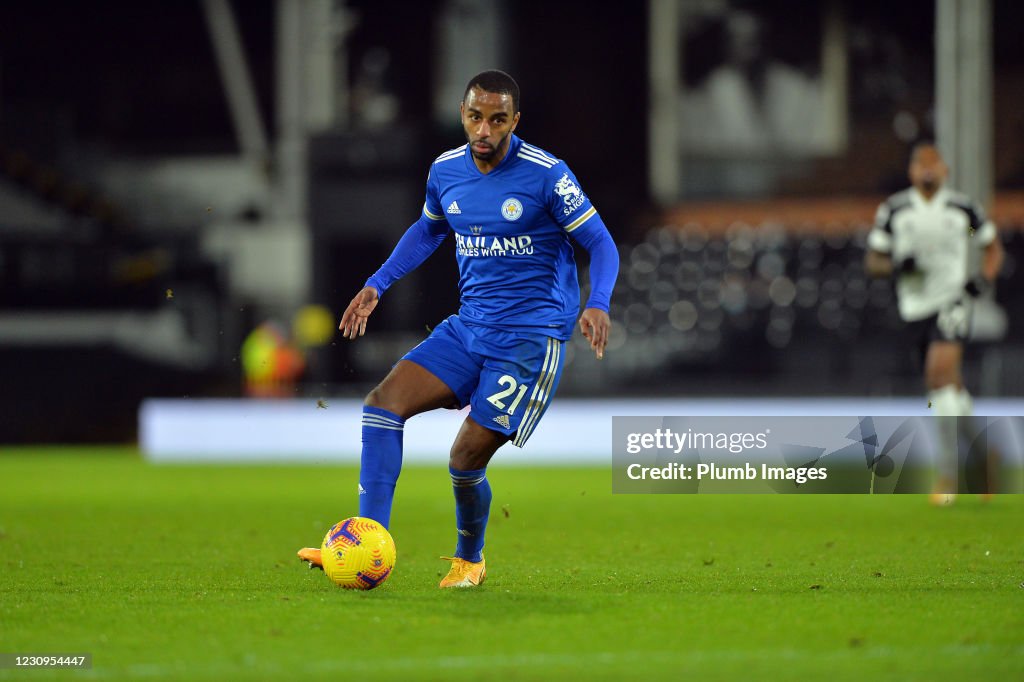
{"x": 512, "y": 227}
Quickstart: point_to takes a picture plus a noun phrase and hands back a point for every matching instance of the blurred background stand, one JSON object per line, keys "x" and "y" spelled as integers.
{"x": 185, "y": 176}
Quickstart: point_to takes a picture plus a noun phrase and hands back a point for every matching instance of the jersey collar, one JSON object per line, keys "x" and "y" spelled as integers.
{"x": 938, "y": 199}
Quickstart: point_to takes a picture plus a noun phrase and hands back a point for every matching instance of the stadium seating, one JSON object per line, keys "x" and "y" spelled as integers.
{"x": 758, "y": 302}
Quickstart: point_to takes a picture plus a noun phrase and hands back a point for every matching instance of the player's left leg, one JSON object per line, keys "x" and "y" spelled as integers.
{"x": 473, "y": 448}
{"x": 949, "y": 400}
{"x": 519, "y": 377}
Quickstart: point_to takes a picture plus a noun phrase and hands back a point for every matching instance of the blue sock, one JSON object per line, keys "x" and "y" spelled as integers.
{"x": 381, "y": 462}
{"x": 472, "y": 507}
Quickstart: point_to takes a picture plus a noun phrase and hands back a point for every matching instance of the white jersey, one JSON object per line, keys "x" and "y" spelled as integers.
{"x": 937, "y": 235}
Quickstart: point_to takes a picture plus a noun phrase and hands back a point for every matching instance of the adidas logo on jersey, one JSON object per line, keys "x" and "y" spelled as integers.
{"x": 454, "y": 209}
{"x": 362, "y": 490}
{"x": 502, "y": 420}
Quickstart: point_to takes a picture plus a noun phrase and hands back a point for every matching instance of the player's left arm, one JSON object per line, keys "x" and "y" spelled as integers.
{"x": 992, "y": 260}
{"x": 604, "y": 268}
{"x": 984, "y": 232}
{"x": 574, "y": 212}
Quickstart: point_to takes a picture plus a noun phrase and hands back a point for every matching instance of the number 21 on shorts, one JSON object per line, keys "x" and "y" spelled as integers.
{"x": 512, "y": 386}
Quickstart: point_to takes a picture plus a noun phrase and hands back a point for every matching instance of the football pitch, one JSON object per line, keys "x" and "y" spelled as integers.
{"x": 189, "y": 572}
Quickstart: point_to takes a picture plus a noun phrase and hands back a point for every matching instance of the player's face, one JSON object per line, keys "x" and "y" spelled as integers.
{"x": 927, "y": 169}
{"x": 488, "y": 119}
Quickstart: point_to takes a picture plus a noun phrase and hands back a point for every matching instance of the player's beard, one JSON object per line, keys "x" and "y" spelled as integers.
{"x": 487, "y": 156}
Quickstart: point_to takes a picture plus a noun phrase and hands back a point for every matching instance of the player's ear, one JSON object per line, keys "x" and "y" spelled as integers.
{"x": 515, "y": 122}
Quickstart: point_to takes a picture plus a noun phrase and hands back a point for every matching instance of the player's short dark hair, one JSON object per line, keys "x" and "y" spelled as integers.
{"x": 495, "y": 81}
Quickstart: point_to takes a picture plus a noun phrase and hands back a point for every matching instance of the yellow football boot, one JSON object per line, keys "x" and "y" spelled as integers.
{"x": 943, "y": 494}
{"x": 311, "y": 555}
{"x": 464, "y": 573}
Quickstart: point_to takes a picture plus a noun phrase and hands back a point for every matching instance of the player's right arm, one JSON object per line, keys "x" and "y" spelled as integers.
{"x": 419, "y": 241}
{"x": 353, "y": 320}
{"x": 878, "y": 260}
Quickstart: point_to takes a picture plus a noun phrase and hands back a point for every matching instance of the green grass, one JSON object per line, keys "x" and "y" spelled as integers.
{"x": 189, "y": 572}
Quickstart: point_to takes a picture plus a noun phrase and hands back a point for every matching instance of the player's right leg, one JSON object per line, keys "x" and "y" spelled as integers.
{"x": 409, "y": 389}
{"x": 406, "y": 391}
{"x": 434, "y": 374}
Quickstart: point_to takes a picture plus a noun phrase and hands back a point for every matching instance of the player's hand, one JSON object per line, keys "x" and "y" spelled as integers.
{"x": 594, "y": 324}
{"x": 979, "y": 286}
{"x": 908, "y": 266}
{"x": 353, "y": 321}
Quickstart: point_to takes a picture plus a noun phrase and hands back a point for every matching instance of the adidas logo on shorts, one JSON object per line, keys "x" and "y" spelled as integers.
{"x": 502, "y": 420}
{"x": 454, "y": 209}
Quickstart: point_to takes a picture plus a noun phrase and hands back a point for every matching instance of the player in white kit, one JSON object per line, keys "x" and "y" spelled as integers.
{"x": 923, "y": 236}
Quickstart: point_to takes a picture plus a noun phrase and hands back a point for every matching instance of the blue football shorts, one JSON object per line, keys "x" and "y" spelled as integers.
{"x": 507, "y": 378}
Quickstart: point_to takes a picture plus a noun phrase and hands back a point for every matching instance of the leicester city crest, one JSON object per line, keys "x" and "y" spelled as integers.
{"x": 511, "y": 209}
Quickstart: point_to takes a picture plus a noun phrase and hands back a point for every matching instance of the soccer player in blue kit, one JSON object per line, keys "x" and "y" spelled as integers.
{"x": 512, "y": 207}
